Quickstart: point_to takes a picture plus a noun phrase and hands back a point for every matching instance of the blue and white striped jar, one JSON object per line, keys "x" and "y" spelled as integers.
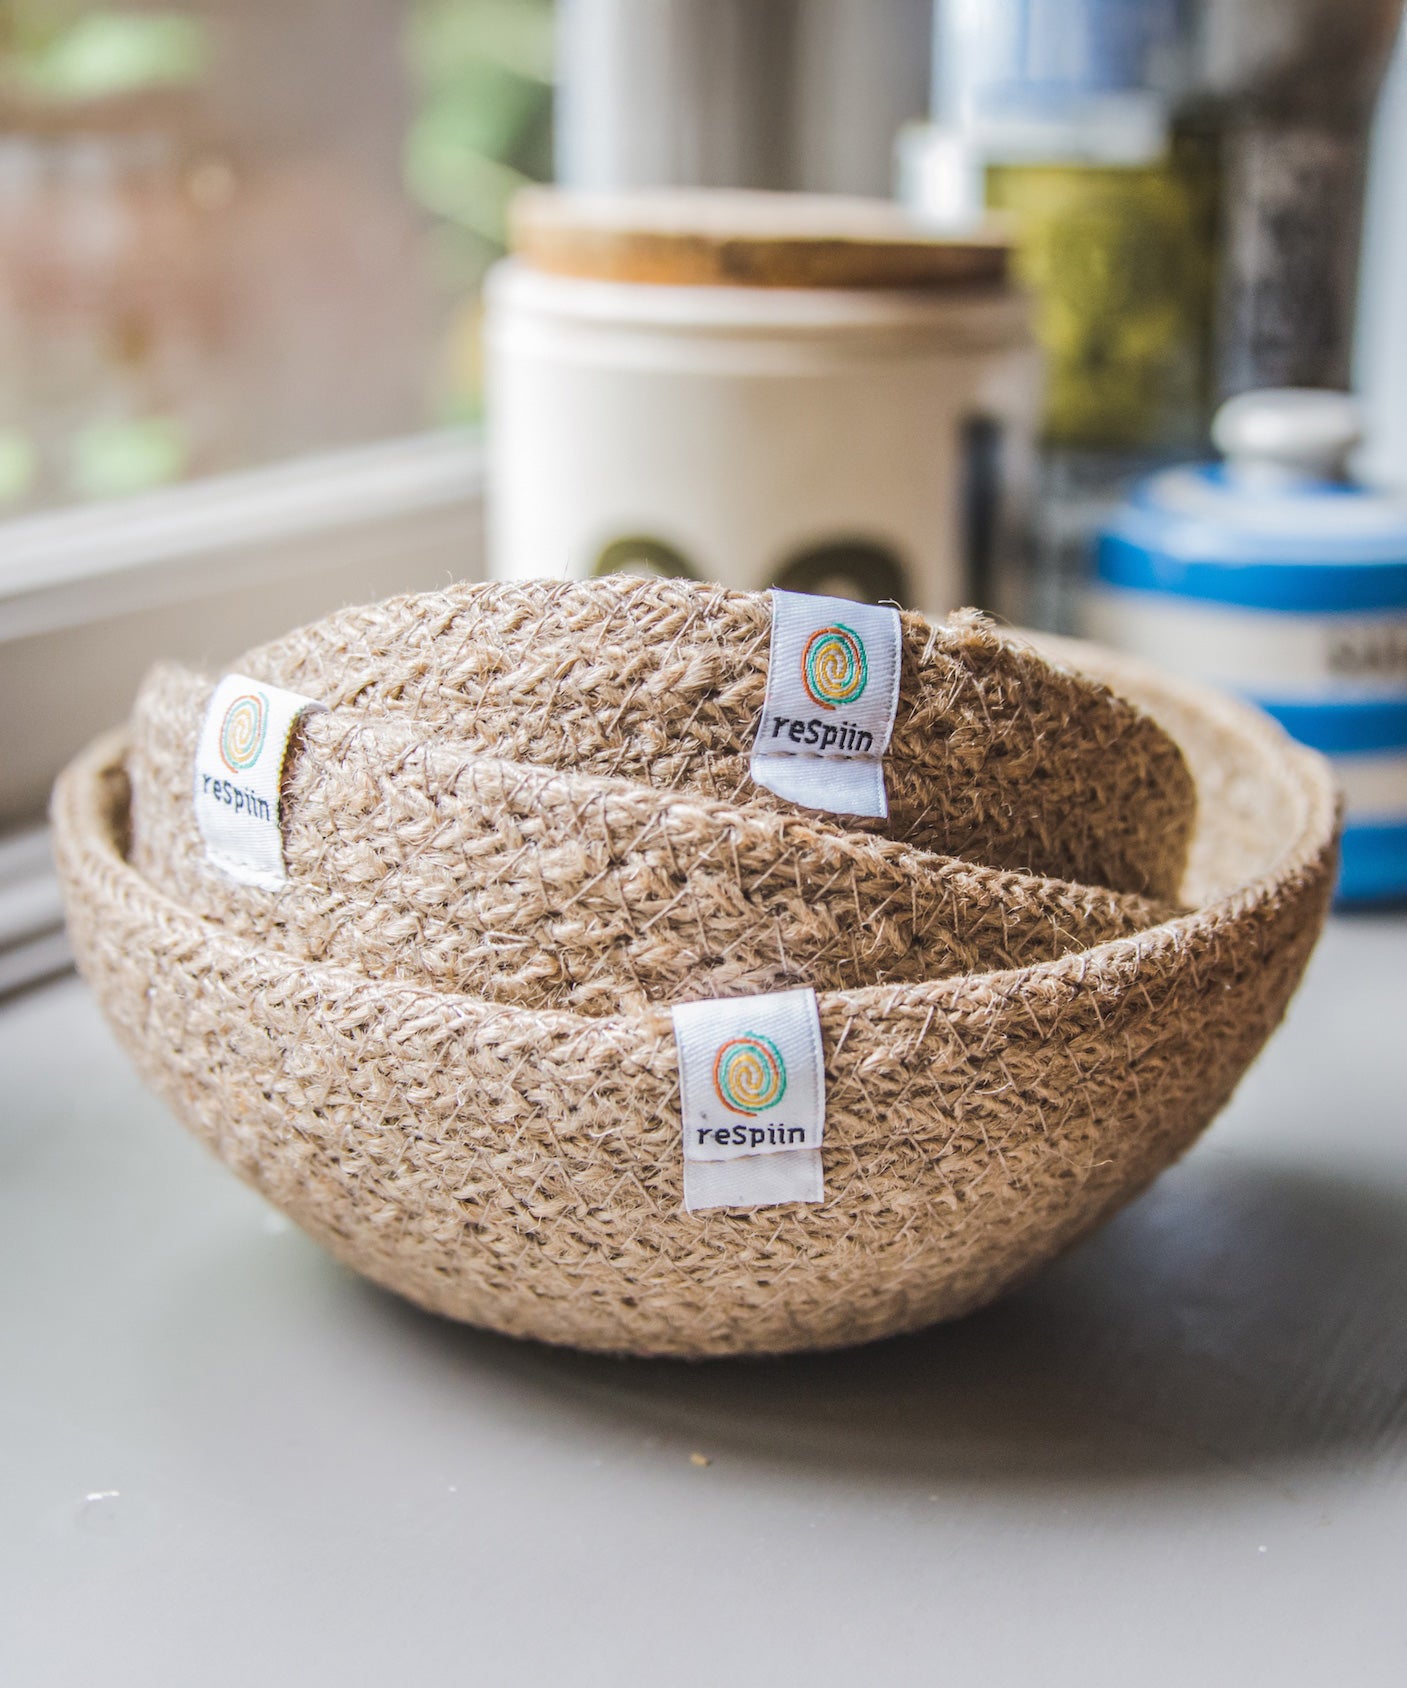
{"x": 1292, "y": 591}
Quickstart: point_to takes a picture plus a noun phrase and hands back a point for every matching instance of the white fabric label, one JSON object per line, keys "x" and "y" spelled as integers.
{"x": 753, "y": 1091}
{"x": 832, "y": 691}
{"x": 238, "y": 771}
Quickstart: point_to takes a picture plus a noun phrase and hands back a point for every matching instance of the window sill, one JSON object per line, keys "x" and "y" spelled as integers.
{"x": 90, "y": 597}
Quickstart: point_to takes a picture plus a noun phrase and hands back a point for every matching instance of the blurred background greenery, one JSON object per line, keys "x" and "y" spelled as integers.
{"x": 208, "y": 259}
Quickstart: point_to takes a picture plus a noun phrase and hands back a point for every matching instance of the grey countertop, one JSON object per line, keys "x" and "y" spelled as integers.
{"x": 1177, "y": 1457}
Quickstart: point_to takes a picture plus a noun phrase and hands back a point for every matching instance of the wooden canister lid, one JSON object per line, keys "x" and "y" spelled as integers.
{"x": 704, "y": 237}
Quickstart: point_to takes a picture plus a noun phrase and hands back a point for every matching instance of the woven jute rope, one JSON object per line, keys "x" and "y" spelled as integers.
{"x": 518, "y": 1164}
{"x": 997, "y": 755}
{"x": 415, "y": 858}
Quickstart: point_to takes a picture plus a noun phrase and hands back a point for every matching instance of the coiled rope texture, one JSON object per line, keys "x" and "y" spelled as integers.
{"x": 525, "y": 827}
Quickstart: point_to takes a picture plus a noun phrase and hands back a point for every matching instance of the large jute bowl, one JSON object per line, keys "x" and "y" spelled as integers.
{"x": 519, "y": 1167}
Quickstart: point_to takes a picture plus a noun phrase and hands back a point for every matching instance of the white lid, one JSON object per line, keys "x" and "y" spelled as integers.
{"x": 1288, "y": 430}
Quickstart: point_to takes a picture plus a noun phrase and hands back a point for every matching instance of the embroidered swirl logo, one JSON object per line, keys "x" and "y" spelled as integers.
{"x": 242, "y": 731}
{"x": 749, "y": 1074}
{"x": 833, "y": 666}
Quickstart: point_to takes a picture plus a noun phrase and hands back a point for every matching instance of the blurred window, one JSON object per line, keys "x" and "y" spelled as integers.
{"x": 232, "y": 231}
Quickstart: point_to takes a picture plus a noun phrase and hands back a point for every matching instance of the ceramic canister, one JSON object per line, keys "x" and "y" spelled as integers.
{"x": 1264, "y": 576}
{"x": 757, "y": 389}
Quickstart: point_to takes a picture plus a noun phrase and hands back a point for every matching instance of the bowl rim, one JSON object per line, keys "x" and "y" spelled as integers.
{"x": 1302, "y": 774}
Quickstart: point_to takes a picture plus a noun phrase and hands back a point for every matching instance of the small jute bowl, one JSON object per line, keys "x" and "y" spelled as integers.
{"x": 997, "y": 755}
{"x": 518, "y": 1165}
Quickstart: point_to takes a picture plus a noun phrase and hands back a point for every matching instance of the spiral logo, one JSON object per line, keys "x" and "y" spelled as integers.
{"x": 833, "y": 666}
{"x": 749, "y": 1074}
{"x": 242, "y": 731}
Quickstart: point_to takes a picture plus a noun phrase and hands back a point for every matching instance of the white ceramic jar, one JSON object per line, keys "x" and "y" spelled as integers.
{"x": 868, "y": 440}
{"x": 1276, "y": 577}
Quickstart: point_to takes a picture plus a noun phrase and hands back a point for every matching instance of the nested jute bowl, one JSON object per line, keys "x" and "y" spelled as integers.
{"x": 518, "y": 1164}
{"x": 996, "y": 756}
{"x": 417, "y": 859}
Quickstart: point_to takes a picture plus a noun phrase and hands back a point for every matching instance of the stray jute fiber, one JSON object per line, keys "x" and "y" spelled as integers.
{"x": 525, "y": 826}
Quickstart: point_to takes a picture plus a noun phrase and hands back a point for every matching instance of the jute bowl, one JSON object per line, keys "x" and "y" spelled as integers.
{"x": 416, "y": 859}
{"x": 519, "y": 1166}
{"x": 997, "y": 755}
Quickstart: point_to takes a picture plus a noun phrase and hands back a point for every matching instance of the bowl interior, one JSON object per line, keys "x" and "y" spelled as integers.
{"x": 1263, "y": 802}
